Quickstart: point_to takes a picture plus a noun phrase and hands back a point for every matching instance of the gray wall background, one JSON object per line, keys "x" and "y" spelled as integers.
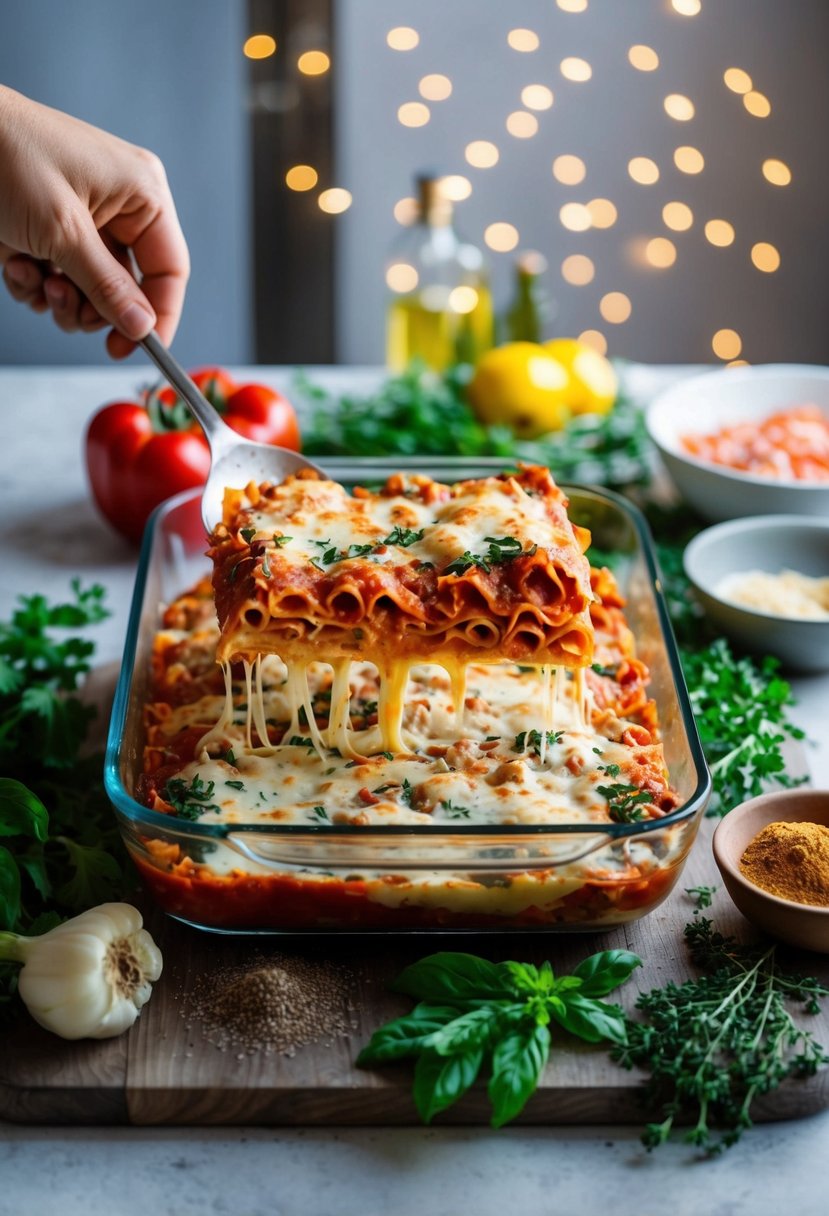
{"x": 616, "y": 115}
{"x": 168, "y": 74}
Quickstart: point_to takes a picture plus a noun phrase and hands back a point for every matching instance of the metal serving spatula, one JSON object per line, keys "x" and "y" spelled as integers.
{"x": 233, "y": 461}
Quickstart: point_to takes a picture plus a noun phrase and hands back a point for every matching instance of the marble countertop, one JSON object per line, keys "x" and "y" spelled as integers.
{"x": 50, "y": 533}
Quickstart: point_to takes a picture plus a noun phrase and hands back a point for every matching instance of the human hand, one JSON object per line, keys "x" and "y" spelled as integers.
{"x": 73, "y": 200}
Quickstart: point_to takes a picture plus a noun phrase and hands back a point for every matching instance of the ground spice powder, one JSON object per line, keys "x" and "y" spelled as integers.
{"x": 791, "y": 861}
{"x": 273, "y": 1005}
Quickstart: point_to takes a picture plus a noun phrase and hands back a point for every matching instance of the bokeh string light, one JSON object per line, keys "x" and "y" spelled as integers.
{"x": 568, "y": 169}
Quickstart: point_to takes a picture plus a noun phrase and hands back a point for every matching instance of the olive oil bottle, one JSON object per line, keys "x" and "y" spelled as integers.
{"x": 531, "y": 312}
{"x": 440, "y": 304}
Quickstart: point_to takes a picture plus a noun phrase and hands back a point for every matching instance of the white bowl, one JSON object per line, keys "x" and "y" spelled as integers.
{"x": 770, "y": 543}
{"x": 703, "y": 404}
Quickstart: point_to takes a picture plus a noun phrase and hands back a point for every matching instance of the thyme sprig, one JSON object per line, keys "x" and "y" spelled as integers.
{"x": 712, "y": 1045}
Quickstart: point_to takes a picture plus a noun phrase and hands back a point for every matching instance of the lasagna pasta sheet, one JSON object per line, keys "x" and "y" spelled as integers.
{"x": 489, "y": 570}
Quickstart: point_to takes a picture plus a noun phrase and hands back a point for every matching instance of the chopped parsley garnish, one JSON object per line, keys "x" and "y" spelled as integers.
{"x": 266, "y": 566}
{"x": 406, "y": 792}
{"x": 229, "y": 756}
{"x": 190, "y": 800}
{"x": 492, "y": 739}
{"x": 501, "y": 549}
{"x": 281, "y": 541}
{"x": 387, "y": 755}
{"x": 247, "y": 534}
{"x": 330, "y": 553}
{"x": 403, "y": 536}
{"x": 610, "y": 672}
{"x": 236, "y": 785}
{"x": 319, "y": 812}
{"x": 612, "y": 770}
{"x": 625, "y": 801}
{"x": 301, "y": 741}
{"x": 531, "y": 740}
{"x": 455, "y": 812}
{"x": 463, "y": 563}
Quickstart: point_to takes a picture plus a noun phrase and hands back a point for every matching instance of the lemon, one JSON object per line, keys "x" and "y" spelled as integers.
{"x": 595, "y": 385}
{"x": 521, "y": 385}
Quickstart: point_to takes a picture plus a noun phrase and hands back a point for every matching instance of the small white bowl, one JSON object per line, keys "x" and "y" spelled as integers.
{"x": 770, "y": 543}
{"x": 704, "y": 404}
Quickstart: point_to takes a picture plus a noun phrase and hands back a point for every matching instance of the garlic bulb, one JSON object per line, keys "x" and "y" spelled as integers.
{"x": 90, "y": 976}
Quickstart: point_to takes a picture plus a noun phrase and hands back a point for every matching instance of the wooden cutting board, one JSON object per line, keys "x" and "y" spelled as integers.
{"x": 161, "y": 1072}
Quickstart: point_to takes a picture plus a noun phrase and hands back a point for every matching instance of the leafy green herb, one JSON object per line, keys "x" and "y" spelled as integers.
{"x": 422, "y": 413}
{"x": 280, "y": 541}
{"x": 61, "y": 849}
{"x": 501, "y": 549}
{"x": 236, "y": 785}
{"x": 612, "y": 770}
{"x": 473, "y": 1014}
{"x": 453, "y": 811}
{"x": 230, "y": 757}
{"x": 610, "y": 672}
{"x": 41, "y": 720}
{"x": 740, "y": 711}
{"x": 331, "y": 554}
{"x": 319, "y": 812}
{"x": 403, "y": 537}
{"x": 406, "y": 792}
{"x": 387, "y": 755}
{"x": 713, "y": 1045}
{"x": 625, "y": 802}
{"x": 190, "y": 800}
{"x": 531, "y": 740}
{"x": 301, "y": 741}
{"x": 247, "y": 534}
{"x": 701, "y": 896}
{"x": 465, "y": 562}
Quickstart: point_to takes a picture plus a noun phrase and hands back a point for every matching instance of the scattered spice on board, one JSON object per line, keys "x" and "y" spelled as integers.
{"x": 791, "y": 861}
{"x": 273, "y": 1005}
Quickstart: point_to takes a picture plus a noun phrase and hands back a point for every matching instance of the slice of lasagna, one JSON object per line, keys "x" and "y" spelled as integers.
{"x": 489, "y": 570}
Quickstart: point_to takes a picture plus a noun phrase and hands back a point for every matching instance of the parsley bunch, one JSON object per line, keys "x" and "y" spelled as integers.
{"x": 473, "y": 1014}
{"x": 60, "y": 848}
{"x": 423, "y": 413}
{"x": 740, "y": 703}
{"x": 713, "y": 1045}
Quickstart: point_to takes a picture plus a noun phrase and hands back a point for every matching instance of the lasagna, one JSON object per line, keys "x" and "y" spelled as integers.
{"x": 292, "y": 728}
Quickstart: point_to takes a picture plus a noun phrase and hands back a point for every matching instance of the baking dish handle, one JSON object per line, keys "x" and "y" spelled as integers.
{"x": 324, "y": 850}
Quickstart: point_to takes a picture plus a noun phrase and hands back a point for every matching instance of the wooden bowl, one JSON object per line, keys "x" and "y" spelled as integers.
{"x": 803, "y": 925}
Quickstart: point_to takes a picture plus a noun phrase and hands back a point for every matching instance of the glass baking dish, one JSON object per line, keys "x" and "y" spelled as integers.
{"x": 239, "y": 878}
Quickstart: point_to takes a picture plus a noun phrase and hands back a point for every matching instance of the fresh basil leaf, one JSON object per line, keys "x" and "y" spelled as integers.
{"x": 473, "y": 1029}
{"x": 451, "y": 976}
{"x": 517, "y": 1064}
{"x": 95, "y": 876}
{"x": 33, "y": 863}
{"x": 602, "y": 972}
{"x": 21, "y": 812}
{"x": 440, "y": 1080}
{"x": 406, "y": 1036}
{"x": 9, "y": 890}
{"x": 521, "y": 978}
{"x": 593, "y": 1021}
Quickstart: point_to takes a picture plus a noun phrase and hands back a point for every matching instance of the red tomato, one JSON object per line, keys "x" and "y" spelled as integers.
{"x": 138, "y": 456}
{"x": 261, "y": 413}
{"x": 214, "y": 382}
